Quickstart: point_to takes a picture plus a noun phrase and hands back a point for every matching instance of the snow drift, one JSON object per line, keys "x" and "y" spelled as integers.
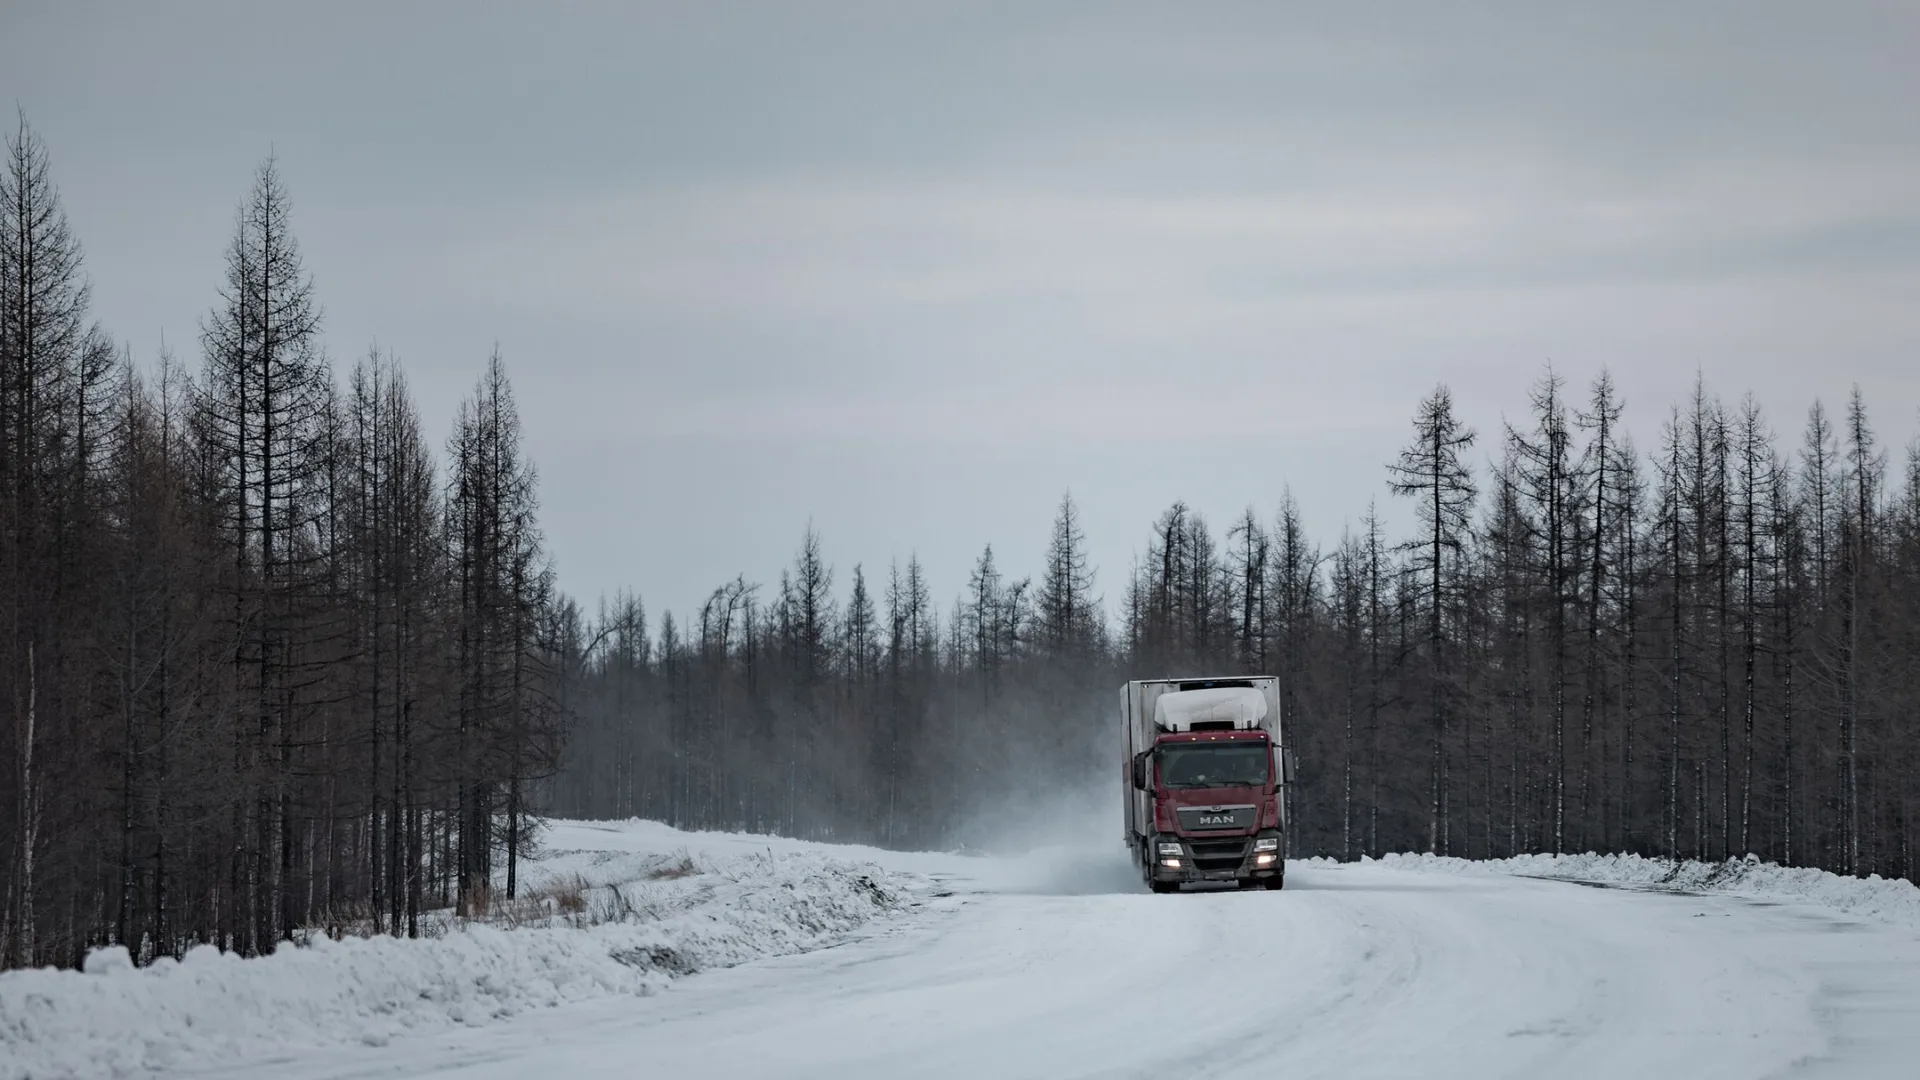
{"x": 605, "y": 923}
{"x": 1892, "y": 901}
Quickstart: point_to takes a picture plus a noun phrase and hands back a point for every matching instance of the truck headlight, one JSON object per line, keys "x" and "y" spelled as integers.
{"x": 1267, "y": 843}
{"x": 1169, "y": 849}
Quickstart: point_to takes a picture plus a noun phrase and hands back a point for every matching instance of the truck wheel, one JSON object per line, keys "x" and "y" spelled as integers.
{"x": 1164, "y": 886}
{"x": 1278, "y": 881}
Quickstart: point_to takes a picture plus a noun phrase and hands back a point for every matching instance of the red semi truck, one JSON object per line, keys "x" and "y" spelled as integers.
{"x": 1205, "y": 776}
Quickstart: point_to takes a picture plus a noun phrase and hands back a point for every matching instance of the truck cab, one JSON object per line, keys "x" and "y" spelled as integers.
{"x": 1206, "y": 775}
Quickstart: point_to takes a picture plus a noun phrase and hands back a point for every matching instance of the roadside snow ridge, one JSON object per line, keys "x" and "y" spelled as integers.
{"x": 606, "y": 923}
{"x": 1895, "y": 901}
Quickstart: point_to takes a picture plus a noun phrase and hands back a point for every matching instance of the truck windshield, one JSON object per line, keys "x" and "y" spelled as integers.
{"x": 1198, "y": 765}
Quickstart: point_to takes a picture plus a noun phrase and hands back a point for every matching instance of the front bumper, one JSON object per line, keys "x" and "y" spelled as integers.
{"x": 1221, "y": 858}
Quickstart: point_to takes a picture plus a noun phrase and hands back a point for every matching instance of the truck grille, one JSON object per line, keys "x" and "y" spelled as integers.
{"x": 1218, "y": 854}
{"x": 1198, "y": 818}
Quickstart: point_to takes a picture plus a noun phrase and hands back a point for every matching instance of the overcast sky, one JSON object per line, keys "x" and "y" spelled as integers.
{"x": 910, "y": 271}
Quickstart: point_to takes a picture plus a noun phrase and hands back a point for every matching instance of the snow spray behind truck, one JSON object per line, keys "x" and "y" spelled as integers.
{"x": 1205, "y": 775}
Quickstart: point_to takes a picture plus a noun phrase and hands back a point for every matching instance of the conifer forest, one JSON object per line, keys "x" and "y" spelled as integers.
{"x": 273, "y": 654}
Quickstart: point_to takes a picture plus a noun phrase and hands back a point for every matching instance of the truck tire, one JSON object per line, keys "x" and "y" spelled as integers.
{"x": 1277, "y": 881}
{"x": 1164, "y": 886}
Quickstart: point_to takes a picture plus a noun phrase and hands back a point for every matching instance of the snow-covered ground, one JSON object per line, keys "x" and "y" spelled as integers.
{"x": 849, "y": 963}
{"x": 1895, "y": 902}
{"x": 609, "y": 913}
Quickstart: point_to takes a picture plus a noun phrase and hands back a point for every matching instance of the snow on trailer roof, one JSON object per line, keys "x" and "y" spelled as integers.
{"x": 1180, "y": 710}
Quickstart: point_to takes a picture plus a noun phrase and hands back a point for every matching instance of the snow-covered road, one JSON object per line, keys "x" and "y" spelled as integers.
{"x": 1058, "y": 966}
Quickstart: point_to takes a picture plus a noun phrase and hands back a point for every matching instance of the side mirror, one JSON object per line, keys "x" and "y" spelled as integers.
{"x": 1140, "y": 772}
{"x": 1282, "y": 766}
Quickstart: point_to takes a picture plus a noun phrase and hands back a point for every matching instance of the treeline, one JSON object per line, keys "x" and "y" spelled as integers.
{"x": 870, "y": 719}
{"x": 1702, "y": 651}
{"x": 266, "y": 659}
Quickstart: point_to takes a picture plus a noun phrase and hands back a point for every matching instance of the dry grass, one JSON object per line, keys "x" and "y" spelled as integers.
{"x": 572, "y": 900}
{"x": 357, "y": 919}
{"x": 679, "y": 868}
{"x": 570, "y": 895}
{"x": 611, "y": 906}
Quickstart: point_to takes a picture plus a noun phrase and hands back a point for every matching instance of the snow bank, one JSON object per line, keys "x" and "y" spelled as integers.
{"x": 1891, "y": 901}
{"x": 610, "y": 923}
